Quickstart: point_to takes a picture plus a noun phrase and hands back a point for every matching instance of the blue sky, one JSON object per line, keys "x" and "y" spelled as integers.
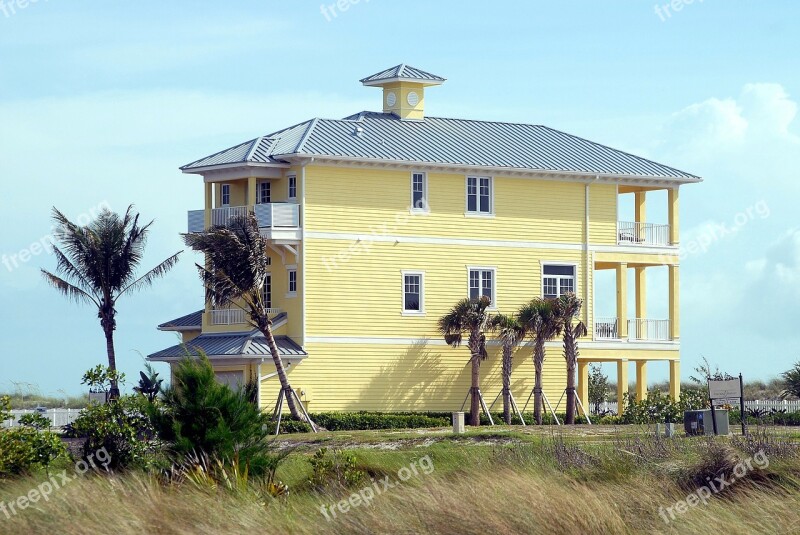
{"x": 101, "y": 103}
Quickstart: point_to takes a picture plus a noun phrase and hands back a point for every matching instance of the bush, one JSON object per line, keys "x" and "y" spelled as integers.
{"x": 34, "y": 420}
{"x": 122, "y": 427}
{"x": 356, "y": 421}
{"x": 660, "y": 408}
{"x": 5, "y": 408}
{"x": 23, "y": 449}
{"x": 338, "y": 469}
{"x": 201, "y": 415}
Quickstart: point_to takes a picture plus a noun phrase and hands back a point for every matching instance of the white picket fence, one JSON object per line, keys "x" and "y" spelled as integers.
{"x": 766, "y": 404}
{"x": 57, "y": 417}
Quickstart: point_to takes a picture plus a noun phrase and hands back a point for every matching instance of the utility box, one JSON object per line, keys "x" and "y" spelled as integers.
{"x": 458, "y": 422}
{"x": 700, "y": 422}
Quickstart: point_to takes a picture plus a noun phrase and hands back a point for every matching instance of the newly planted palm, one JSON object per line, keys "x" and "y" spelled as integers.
{"x": 568, "y": 307}
{"x": 541, "y": 322}
{"x": 510, "y": 333}
{"x": 235, "y": 274}
{"x": 98, "y": 264}
{"x": 469, "y": 317}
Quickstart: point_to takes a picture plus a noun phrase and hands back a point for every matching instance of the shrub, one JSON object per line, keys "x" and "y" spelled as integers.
{"x": 339, "y": 468}
{"x": 23, "y": 449}
{"x": 122, "y": 427}
{"x": 201, "y": 415}
{"x": 5, "y": 408}
{"x": 659, "y": 407}
{"x": 34, "y": 420}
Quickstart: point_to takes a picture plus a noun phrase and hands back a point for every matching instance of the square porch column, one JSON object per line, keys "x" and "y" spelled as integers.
{"x": 673, "y": 209}
{"x": 674, "y": 303}
{"x": 622, "y": 300}
{"x": 641, "y": 380}
{"x": 622, "y": 385}
{"x": 583, "y": 383}
{"x": 640, "y": 209}
{"x": 209, "y": 204}
{"x": 675, "y": 379}
{"x": 251, "y": 192}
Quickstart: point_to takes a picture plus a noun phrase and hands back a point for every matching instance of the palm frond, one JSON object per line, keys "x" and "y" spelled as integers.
{"x": 148, "y": 278}
{"x": 68, "y": 289}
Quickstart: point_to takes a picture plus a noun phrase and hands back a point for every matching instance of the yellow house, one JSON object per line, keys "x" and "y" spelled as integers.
{"x": 379, "y": 222}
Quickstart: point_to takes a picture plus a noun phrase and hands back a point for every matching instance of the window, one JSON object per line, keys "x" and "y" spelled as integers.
{"x": 232, "y": 379}
{"x": 264, "y": 194}
{"x": 481, "y": 283}
{"x": 267, "y": 292}
{"x": 225, "y": 190}
{"x": 479, "y": 195}
{"x": 292, "y": 272}
{"x": 557, "y": 280}
{"x": 412, "y": 293}
{"x": 292, "y": 187}
{"x": 419, "y": 192}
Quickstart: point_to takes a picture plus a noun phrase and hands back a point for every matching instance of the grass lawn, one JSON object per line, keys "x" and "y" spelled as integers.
{"x": 583, "y": 479}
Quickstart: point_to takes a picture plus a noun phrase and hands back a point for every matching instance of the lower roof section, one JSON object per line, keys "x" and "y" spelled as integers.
{"x": 237, "y": 345}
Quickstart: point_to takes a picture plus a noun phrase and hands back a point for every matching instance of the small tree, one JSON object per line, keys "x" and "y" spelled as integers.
{"x": 541, "y": 322}
{"x": 791, "y": 382}
{"x": 568, "y": 307}
{"x": 102, "y": 378}
{"x": 469, "y": 317}
{"x": 510, "y": 333}
{"x": 149, "y": 383}
{"x": 598, "y": 388}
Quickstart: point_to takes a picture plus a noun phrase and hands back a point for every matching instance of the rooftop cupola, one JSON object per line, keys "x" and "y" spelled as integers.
{"x": 404, "y": 90}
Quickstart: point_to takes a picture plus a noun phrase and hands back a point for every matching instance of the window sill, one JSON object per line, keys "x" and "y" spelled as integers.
{"x": 290, "y": 295}
{"x": 418, "y": 211}
{"x": 479, "y": 214}
{"x": 413, "y": 313}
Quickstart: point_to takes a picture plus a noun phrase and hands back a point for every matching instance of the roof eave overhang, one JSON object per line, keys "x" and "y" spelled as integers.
{"x": 230, "y": 358}
{"x": 574, "y": 176}
{"x": 229, "y": 166}
{"x": 396, "y": 79}
{"x": 168, "y": 328}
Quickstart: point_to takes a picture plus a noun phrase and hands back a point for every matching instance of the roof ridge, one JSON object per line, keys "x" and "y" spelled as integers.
{"x": 306, "y": 135}
{"x": 252, "y": 150}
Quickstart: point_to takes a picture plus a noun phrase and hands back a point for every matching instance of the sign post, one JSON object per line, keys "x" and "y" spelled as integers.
{"x": 726, "y": 389}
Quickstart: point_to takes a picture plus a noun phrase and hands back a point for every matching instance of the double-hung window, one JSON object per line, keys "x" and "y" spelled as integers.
{"x": 264, "y": 194}
{"x": 267, "y": 291}
{"x": 419, "y": 192}
{"x": 292, "y": 187}
{"x": 413, "y": 286}
{"x": 482, "y": 283}
{"x": 292, "y": 277}
{"x": 557, "y": 280}
{"x": 225, "y": 194}
{"x": 479, "y": 195}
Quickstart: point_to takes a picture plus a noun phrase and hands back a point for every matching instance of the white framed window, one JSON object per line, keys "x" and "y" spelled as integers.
{"x": 225, "y": 194}
{"x": 558, "y": 279}
{"x": 264, "y": 193}
{"x": 267, "y": 291}
{"x": 291, "y": 277}
{"x": 419, "y": 192}
{"x": 413, "y": 293}
{"x": 480, "y": 198}
{"x": 292, "y": 187}
{"x": 232, "y": 379}
{"x": 482, "y": 281}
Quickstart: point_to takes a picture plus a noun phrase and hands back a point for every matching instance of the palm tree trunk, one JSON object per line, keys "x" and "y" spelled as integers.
{"x": 571, "y": 405}
{"x": 538, "y": 363}
{"x": 108, "y": 330}
{"x": 507, "y": 384}
{"x": 475, "y": 403}
{"x": 266, "y": 330}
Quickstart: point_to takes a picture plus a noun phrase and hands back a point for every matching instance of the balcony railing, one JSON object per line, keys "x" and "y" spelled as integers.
{"x": 234, "y": 316}
{"x": 646, "y": 329}
{"x": 636, "y": 233}
{"x": 269, "y": 215}
{"x": 606, "y": 329}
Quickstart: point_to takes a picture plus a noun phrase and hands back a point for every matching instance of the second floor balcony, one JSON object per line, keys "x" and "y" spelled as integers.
{"x": 638, "y": 329}
{"x": 278, "y": 217}
{"x": 636, "y": 233}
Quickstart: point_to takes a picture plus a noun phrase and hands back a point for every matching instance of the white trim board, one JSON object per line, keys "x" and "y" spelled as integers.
{"x": 623, "y": 346}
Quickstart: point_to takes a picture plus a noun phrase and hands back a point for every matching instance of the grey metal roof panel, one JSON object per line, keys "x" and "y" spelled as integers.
{"x": 194, "y": 319}
{"x": 403, "y": 71}
{"x": 242, "y": 344}
{"x": 385, "y": 137}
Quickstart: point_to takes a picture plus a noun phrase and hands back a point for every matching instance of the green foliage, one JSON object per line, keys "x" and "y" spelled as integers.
{"x": 122, "y": 427}
{"x": 35, "y": 420}
{"x": 598, "y": 388}
{"x": 705, "y": 373}
{"x": 5, "y": 408}
{"x": 201, "y": 415}
{"x": 149, "y": 383}
{"x": 288, "y": 426}
{"x": 791, "y": 382}
{"x": 660, "y": 408}
{"x": 339, "y": 468}
{"x": 24, "y": 449}
{"x": 771, "y": 417}
{"x": 352, "y": 421}
{"x": 101, "y": 378}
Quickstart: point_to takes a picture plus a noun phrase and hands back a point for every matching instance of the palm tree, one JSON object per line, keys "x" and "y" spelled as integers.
{"x": 791, "y": 382}
{"x": 568, "y": 306}
{"x": 510, "y": 332}
{"x": 237, "y": 268}
{"x": 98, "y": 263}
{"x": 469, "y": 317}
{"x": 541, "y": 322}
